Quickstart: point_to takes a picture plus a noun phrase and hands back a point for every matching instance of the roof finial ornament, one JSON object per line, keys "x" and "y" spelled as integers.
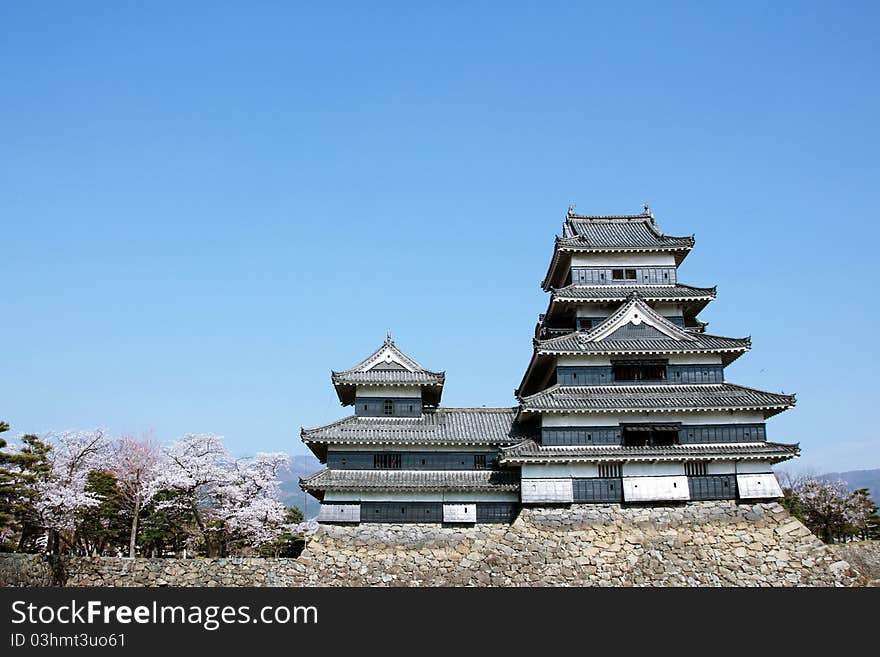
{"x": 648, "y": 212}
{"x": 570, "y": 212}
{"x": 388, "y": 336}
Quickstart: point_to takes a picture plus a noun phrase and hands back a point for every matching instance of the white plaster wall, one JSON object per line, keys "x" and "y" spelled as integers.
{"x": 459, "y": 513}
{"x": 591, "y": 310}
{"x": 643, "y": 489}
{"x": 734, "y": 467}
{"x": 403, "y": 496}
{"x": 694, "y": 359}
{"x": 547, "y": 490}
{"x": 753, "y": 467}
{"x": 720, "y": 467}
{"x": 559, "y": 470}
{"x": 652, "y": 469}
{"x": 613, "y": 419}
{"x": 619, "y": 259}
{"x": 388, "y": 391}
{"x": 582, "y": 361}
{"x": 475, "y": 449}
{"x": 668, "y": 309}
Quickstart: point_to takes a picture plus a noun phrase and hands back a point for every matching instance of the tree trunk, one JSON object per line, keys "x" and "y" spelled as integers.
{"x": 134, "y": 525}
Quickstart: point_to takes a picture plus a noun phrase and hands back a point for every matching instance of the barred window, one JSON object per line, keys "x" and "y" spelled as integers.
{"x": 623, "y": 274}
{"x": 388, "y": 407}
{"x": 608, "y": 470}
{"x": 700, "y": 469}
{"x": 386, "y": 461}
{"x": 639, "y": 370}
{"x": 479, "y": 461}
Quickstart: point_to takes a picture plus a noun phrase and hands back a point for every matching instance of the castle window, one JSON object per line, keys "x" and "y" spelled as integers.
{"x": 386, "y": 461}
{"x": 479, "y": 461}
{"x": 639, "y": 370}
{"x": 608, "y": 470}
{"x": 388, "y": 407}
{"x": 696, "y": 469}
{"x": 623, "y": 274}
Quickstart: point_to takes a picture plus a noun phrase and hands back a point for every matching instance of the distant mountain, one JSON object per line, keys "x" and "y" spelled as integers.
{"x": 855, "y": 479}
{"x": 301, "y": 465}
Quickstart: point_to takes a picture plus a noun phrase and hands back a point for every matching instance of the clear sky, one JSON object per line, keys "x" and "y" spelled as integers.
{"x": 207, "y": 206}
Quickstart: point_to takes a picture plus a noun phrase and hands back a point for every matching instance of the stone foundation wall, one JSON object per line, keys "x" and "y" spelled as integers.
{"x": 700, "y": 543}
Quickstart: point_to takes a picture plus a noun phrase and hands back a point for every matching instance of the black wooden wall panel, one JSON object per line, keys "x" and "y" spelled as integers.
{"x": 375, "y": 406}
{"x": 580, "y": 435}
{"x": 595, "y": 489}
{"x": 351, "y": 460}
{"x": 713, "y": 487}
{"x": 401, "y": 512}
{"x": 497, "y": 511}
{"x": 695, "y": 434}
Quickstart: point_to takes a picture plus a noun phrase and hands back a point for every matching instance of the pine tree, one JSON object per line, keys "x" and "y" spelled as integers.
{"x": 21, "y": 471}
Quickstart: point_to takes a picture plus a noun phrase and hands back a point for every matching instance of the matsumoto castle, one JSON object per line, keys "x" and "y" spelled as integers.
{"x": 623, "y": 401}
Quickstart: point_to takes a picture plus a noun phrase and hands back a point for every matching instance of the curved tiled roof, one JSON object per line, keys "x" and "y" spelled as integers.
{"x": 389, "y": 377}
{"x": 529, "y": 451}
{"x": 705, "y": 343}
{"x": 412, "y": 480}
{"x": 394, "y": 369}
{"x": 637, "y": 232}
{"x": 442, "y": 426}
{"x": 667, "y": 338}
{"x": 655, "y": 398}
{"x": 600, "y": 293}
{"x": 611, "y": 234}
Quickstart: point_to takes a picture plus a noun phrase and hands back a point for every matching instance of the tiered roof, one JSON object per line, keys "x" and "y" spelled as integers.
{"x": 388, "y": 366}
{"x": 693, "y": 299}
{"x": 440, "y": 427}
{"x": 634, "y": 329}
{"x": 610, "y": 234}
{"x": 529, "y": 451}
{"x": 422, "y": 481}
{"x": 662, "y": 398}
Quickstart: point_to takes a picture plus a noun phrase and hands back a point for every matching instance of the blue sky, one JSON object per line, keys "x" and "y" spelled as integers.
{"x": 207, "y": 206}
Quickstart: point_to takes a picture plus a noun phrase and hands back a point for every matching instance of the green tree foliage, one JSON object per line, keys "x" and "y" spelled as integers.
{"x": 103, "y": 528}
{"x": 289, "y": 543}
{"x": 167, "y": 526}
{"x": 21, "y": 471}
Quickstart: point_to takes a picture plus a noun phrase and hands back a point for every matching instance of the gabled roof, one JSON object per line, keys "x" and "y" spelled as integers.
{"x": 411, "y": 480}
{"x": 441, "y": 427}
{"x": 612, "y": 293}
{"x": 637, "y": 328}
{"x": 529, "y": 451}
{"x": 565, "y": 299}
{"x": 662, "y": 398}
{"x": 388, "y": 366}
{"x": 634, "y": 329}
{"x": 636, "y": 313}
{"x": 611, "y": 234}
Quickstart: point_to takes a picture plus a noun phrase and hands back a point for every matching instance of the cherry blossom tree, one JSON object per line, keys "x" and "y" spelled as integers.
{"x": 63, "y": 494}
{"x": 135, "y": 464}
{"x": 228, "y": 499}
{"x": 828, "y": 508}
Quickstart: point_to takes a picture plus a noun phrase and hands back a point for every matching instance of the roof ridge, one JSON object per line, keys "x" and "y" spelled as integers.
{"x": 397, "y": 351}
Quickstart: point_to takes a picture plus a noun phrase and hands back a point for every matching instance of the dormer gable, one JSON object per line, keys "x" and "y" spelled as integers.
{"x": 636, "y": 320}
